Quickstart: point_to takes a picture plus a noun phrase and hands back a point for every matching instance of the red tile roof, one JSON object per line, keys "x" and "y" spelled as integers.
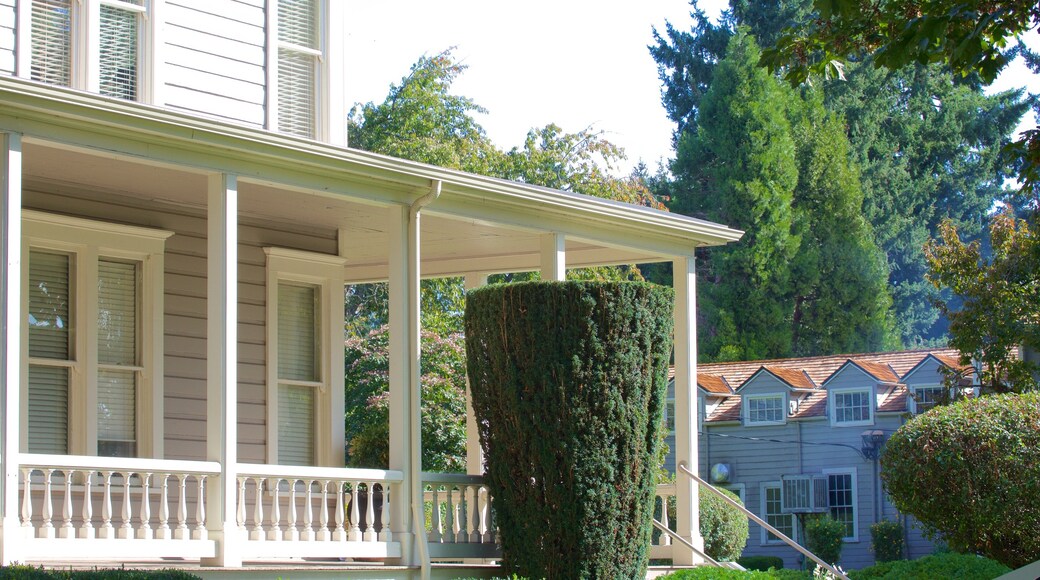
{"x": 793, "y": 377}
{"x": 813, "y": 405}
{"x": 714, "y": 384}
{"x": 895, "y": 401}
{"x": 879, "y": 370}
{"x": 728, "y": 410}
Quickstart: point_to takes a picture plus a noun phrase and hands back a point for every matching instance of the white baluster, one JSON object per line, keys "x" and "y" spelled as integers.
{"x": 308, "y": 514}
{"x": 181, "y": 533}
{"x": 473, "y": 513}
{"x": 461, "y": 516}
{"x": 200, "y": 532}
{"x": 435, "y": 517}
{"x": 240, "y": 513}
{"x": 27, "y": 502}
{"x": 86, "y": 531}
{"x": 384, "y": 516}
{"x": 453, "y": 518}
{"x": 340, "y": 534}
{"x": 355, "y": 516}
{"x": 485, "y": 504}
{"x": 275, "y": 533}
{"x": 47, "y": 529}
{"x": 666, "y": 540}
{"x": 145, "y": 531}
{"x": 164, "y": 532}
{"x": 258, "y": 511}
{"x": 370, "y": 513}
{"x": 107, "y": 531}
{"x": 292, "y": 532}
{"x": 67, "y": 531}
{"x": 127, "y": 529}
{"x": 324, "y": 534}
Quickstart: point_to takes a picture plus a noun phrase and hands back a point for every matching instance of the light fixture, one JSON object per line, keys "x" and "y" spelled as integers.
{"x": 872, "y": 441}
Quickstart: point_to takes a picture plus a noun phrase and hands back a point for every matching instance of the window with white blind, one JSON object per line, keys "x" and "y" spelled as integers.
{"x": 299, "y": 64}
{"x": 305, "y": 351}
{"x": 93, "y": 45}
{"x": 92, "y": 385}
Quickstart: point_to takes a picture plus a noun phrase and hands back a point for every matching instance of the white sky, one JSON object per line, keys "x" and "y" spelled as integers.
{"x": 576, "y": 63}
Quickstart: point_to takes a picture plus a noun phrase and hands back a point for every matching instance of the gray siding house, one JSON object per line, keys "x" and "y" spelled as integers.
{"x": 813, "y": 419}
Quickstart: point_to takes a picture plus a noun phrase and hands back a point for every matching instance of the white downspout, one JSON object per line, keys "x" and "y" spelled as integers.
{"x": 414, "y": 355}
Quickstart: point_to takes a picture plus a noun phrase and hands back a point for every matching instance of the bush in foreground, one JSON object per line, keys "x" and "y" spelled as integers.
{"x": 823, "y": 537}
{"x": 723, "y": 527}
{"x": 761, "y": 563}
{"x": 887, "y": 540}
{"x": 968, "y": 472}
{"x": 949, "y": 566}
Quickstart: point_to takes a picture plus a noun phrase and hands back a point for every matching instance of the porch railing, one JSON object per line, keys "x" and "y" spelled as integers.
{"x": 159, "y": 505}
{"x": 459, "y": 518}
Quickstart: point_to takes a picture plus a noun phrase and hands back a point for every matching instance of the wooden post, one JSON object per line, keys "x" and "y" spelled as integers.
{"x": 554, "y": 257}
{"x": 687, "y": 516}
{"x": 10, "y": 327}
{"x": 222, "y": 367}
{"x": 474, "y": 454}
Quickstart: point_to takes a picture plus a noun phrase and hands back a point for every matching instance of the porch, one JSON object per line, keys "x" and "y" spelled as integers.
{"x": 211, "y": 431}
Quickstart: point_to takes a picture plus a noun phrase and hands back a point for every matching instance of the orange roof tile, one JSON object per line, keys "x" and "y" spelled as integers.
{"x": 878, "y": 370}
{"x": 895, "y": 401}
{"x": 796, "y": 378}
{"x": 714, "y": 384}
{"x": 728, "y": 410}
{"x": 813, "y": 405}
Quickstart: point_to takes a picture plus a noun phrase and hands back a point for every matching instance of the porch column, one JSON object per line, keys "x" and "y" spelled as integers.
{"x": 222, "y": 366}
{"x": 554, "y": 256}
{"x": 10, "y": 323}
{"x": 687, "y": 515}
{"x": 474, "y": 454}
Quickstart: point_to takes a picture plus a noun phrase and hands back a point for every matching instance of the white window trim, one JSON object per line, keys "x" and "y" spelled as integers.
{"x": 85, "y": 45}
{"x": 832, "y": 407}
{"x": 913, "y": 394}
{"x": 764, "y": 533}
{"x": 746, "y": 403}
{"x": 855, "y": 499}
{"x": 325, "y": 272}
{"x": 739, "y": 489}
{"x": 88, "y": 240}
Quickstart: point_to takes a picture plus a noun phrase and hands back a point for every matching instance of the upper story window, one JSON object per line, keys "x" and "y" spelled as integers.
{"x": 300, "y": 54}
{"x": 852, "y": 407}
{"x": 926, "y": 397}
{"x": 765, "y": 409}
{"x": 93, "y": 45}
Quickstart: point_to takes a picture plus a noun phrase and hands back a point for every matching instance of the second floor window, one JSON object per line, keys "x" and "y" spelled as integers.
{"x": 299, "y": 65}
{"x": 765, "y": 409}
{"x": 852, "y": 407}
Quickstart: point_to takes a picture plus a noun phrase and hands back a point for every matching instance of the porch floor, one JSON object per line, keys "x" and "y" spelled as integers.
{"x": 285, "y": 570}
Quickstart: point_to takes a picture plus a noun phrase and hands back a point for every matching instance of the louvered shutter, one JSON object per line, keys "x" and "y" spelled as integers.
{"x": 298, "y": 54}
{"x": 117, "y": 347}
{"x": 52, "y": 41}
{"x": 120, "y": 30}
{"x": 297, "y": 361}
{"x": 295, "y": 425}
{"x": 49, "y": 333}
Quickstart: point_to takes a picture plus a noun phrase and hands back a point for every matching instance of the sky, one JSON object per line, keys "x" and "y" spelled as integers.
{"x": 576, "y": 63}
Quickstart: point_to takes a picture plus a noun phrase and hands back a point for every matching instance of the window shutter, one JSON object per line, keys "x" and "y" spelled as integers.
{"x": 49, "y": 305}
{"x": 297, "y": 333}
{"x": 48, "y": 409}
{"x": 52, "y": 41}
{"x": 117, "y": 412}
{"x": 298, "y": 53}
{"x": 119, "y": 47}
{"x": 117, "y": 346}
{"x": 295, "y": 425}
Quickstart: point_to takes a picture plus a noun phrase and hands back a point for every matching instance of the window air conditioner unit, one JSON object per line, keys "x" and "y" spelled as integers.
{"x": 802, "y": 494}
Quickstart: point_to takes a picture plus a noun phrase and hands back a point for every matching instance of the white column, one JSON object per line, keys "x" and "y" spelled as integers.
{"x": 474, "y": 454}
{"x": 687, "y": 516}
{"x": 10, "y": 323}
{"x": 554, "y": 257}
{"x": 222, "y": 367}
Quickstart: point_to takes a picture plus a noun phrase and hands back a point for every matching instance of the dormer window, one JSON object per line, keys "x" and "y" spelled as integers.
{"x": 926, "y": 397}
{"x": 764, "y": 409}
{"x": 851, "y": 407}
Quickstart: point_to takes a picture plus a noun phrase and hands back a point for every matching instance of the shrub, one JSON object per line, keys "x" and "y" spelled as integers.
{"x": 823, "y": 537}
{"x": 708, "y": 573}
{"x": 723, "y": 527}
{"x": 887, "y": 539}
{"x": 568, "y": 382}
{"x": 968, "y": 472}
{"x": 761, "y": 562}
{"x": 949, "y": 565}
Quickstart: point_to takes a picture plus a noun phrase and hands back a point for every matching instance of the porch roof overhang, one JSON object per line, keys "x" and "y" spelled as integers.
{"x": 598, "y": 231}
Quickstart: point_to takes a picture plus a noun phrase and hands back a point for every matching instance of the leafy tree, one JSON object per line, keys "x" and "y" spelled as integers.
{"x": 999, "y": 296}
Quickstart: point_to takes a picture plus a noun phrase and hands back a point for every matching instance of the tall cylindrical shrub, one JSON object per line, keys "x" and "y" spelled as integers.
{"x": 568, "y": 382}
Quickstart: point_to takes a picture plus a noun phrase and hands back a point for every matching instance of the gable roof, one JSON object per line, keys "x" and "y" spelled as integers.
{"x": 714, "y": 384}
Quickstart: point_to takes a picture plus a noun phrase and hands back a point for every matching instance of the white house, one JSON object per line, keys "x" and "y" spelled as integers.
{"x": 180, "y": 214}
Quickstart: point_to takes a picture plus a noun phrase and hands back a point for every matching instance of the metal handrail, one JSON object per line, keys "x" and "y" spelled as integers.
{"x": 683, "y": 469}
{"x": 683, "y": 541}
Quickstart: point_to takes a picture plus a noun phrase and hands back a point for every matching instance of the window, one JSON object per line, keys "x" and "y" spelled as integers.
{"x": 926, "y": 397}
{"x": 841, "y": 499}
{"x": 305, "y": 338}
{"x": 300, "y": 54}
{"x": 852, "y": 407}
{"x": 765, "y": 409}
{"x": 93, "y": 331}
{"x": 63, "y": 52}
{"x": 669, "y": 417}
{"x": 773, "y": 515}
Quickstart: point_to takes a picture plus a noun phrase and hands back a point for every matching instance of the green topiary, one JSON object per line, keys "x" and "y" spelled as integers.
{"x": 723, "y": 527}
{"x": 568, "y": 382}
{"x": 968, "y": 472}
{"x": 887, "y": 540}
{"x": 949, "y": 565}
{"x": 761, "y": 562}
{"x": 823, "y": 537}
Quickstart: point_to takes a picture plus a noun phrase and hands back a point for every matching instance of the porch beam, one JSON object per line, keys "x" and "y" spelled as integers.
{"x": 222, "y": 366}
{"x": 554, "y": 256}
{"x": 474, "y": 453}
{"x": 10, "y": 323}
{"x": 686, "y": 501}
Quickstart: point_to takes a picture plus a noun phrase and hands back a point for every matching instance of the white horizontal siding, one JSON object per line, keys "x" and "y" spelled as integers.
{"x": 7, "y": 36}
{"x": 214, "y": 59}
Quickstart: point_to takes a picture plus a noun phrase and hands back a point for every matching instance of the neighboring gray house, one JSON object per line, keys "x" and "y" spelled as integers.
{"x": 770, "y": 428}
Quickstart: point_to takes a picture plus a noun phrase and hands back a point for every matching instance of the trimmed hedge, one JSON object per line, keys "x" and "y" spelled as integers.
{"x": 568, "y": 382}
{"x": 762, "y": 563}
{"x": 723, "y": 527}
{"x": 823, "y": 537}
{"x": 709, "y": 573}
{"x": 968, "y": 472}
{"x": 32, "y": 573}
{"x": 887, "y": 540}
{"x": 949, "y": 565}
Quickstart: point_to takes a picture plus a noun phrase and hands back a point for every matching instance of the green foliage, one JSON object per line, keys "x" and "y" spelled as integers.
{"x": 823, "y": 537}
{"x": 762, "y": 563}
{"x": 968, "y": 472}
{"x": 887, "y": 540}
{"x": 709, "y": 573}
{"x": 443, "y": 401}
{"x": 949, "y": 565}
{"x": 998, "y": 298}
{"x": 19, "y": 572}
{"x": 568, "y": 382}
{"x": 723, "y": 527}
